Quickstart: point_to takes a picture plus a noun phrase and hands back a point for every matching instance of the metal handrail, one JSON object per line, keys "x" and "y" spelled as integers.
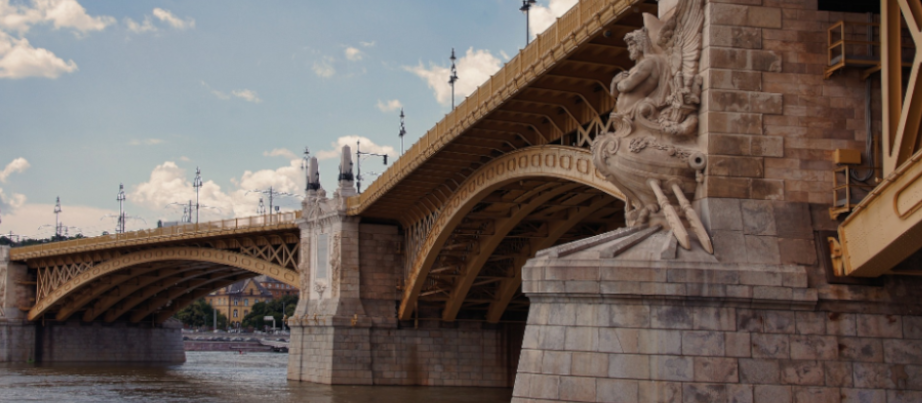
{"x": 268, "y": 221}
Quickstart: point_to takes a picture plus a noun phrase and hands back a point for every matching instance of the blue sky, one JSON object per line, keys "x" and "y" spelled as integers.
{"x": 97, "y": 93}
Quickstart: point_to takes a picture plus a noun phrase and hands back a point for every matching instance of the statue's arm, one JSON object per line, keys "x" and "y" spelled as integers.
{"x": 635, "y": 77}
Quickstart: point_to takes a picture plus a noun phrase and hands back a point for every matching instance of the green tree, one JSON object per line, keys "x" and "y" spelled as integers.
{"x": 200, "y": 313}
{"x": 272, "y": 308}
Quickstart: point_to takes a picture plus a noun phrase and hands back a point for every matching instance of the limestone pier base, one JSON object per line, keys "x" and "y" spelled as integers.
{"x": 610, "y": 322}
{"x": 117, "y": 342}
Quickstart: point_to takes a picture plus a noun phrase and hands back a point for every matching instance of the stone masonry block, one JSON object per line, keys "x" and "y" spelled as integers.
{"x": 816, "y": 395}
{"x": 641, "y": 341}
{"x": 860, "y": 349}
{"x": 760, "y": 371}
{"x": 613, "y": 390}
{"x": 753, "y": 16}
{"x": 733, "y": 80}
{"x": 771, "y": 346}
{"x": 733, "y": 37}
{"x": 577, "y": 389}
{"x": 838, "y": 373}
{"x": 659, "y": 392}
{"x": 738, "y": 344}
{"x": 589, "y": 364}
{"x": 890, "y": 326}
{"x": 556, "y": 363}
{"x": 773, "y": 394}
{"x": 671, "y": 368}
{"x": 796, "y": 372}
{"x": 725, "y": 214}
{"x": 903, "y": 351}
{"x": 814, "y": 347}
{"x": 717, "y": 370}
{"x": 810, "y": 322}
{"x": 863, "y": 396}
{"x": 703, "y": 343}
{"x": 629, "y": 366}
{"x": 843, "y": 324}
{"x": 912, "y": 327}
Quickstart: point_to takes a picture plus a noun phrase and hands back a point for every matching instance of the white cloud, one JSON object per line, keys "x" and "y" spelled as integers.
{"x": 543, "y": 17}
{"x": 17, "y": 165}
{"x": 280, "y": 152}
{"x": 389, "y": 106}
{"x": 19, "y": 59}
{"x": 169, "y": 183}
{"x": 367, "y": 146}
{"x": 474, "y": 68}
{"x": 324, "y": 67}
{"x": 247, "y": 95}
{"x": 367, "y": 44}
{"x": 172, "y": 20}
{"x": 140, "y": 28}
{"x": 353, "y": 54}
{"x": 11, "y": 202}
{"x": 145, "y": 142}
{"x": 60, "y": 13}
{"x": 184, "y": 159}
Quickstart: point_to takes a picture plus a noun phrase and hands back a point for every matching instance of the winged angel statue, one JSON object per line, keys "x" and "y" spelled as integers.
{"x": 653, "y": 154}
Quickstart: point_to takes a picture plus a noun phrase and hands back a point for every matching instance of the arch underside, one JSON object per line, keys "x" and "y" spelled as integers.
{"x": 152, "y": 285}
{"x": 512, "y": 207}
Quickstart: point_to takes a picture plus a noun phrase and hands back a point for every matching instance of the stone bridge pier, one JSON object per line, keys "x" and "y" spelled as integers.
{"x": 73, "y": 341}
{"x": 345, "y": 329}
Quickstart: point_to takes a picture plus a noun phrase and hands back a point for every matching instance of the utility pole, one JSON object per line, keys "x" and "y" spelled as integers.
{"x": 120, "y": 226}
{"x": 358, "y": 164}
{"x": 57, "y": 221}
{"x": 261, "y": 209}
{"x": 403, "y": 131}
{"x": 453, "y": 78}
{"x": 197, "y": 184}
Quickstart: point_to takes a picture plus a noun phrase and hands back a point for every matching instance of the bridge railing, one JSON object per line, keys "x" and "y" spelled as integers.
{"x": 577, "y": 25}
{"x": 203, "y": 229}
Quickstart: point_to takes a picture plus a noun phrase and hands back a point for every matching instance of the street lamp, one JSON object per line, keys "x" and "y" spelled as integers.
{"x": 197, "y": 184}
{"x": 57, "y": 221}
{"x": 526, "y": 5}
{"x": 120, "y": 226}
{"x": 453, "y": 77}
{"x": 403, "y": 131}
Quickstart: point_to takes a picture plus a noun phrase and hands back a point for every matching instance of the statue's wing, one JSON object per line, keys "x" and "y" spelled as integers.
{"x": 686, "y": 49}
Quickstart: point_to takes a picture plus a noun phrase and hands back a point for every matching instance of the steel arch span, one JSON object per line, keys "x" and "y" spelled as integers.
{"x": 565, "y": 169}
{"x": 148, "y": 281}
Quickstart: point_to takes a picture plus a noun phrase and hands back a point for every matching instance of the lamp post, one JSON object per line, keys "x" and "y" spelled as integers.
{"x": 57, "y": 221}
{"x": 197, "y": 184}
{"x": 526, "y": 6}
{"x": 403, "y": 131}
{"x": 452, "y": 78}
{"x": 120, "y": 226}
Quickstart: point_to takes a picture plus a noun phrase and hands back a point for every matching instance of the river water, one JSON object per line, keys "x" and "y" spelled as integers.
{"x": 209, "y": 376}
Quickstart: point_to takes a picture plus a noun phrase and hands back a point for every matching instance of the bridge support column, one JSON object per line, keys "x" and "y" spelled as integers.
{"x": 17, "y": 336}
{"x": 652, "y": 322}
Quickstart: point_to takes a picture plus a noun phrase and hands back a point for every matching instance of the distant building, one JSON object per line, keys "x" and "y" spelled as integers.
{"x": 277, "y": 288}
{"x": 235, "y": 300}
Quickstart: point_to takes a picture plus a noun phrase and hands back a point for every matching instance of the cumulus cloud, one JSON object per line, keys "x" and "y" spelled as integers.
{"x": 60, "y": 13}
{"x": 168, "y": 183}
{"x": 280, "y": 152}
{"x": 389, "y": 106}
{"x": 140, "y": 27}
{"x": 9, "y": 203}
{"x": 354, "y": 54}
{"x": 474, "y": 68}
{"x": 367, "y": 44}
{"x": 367, "y": 146}
{"x": 543, "y": 17}
{"x": 324, "y": 67}
{"x": 167, "y": 17}
{"x": 164, "y": 16}
{"x": 17, "y": 165}
{"x": 19, "y": 59}
{"x": 247, "y": 95}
